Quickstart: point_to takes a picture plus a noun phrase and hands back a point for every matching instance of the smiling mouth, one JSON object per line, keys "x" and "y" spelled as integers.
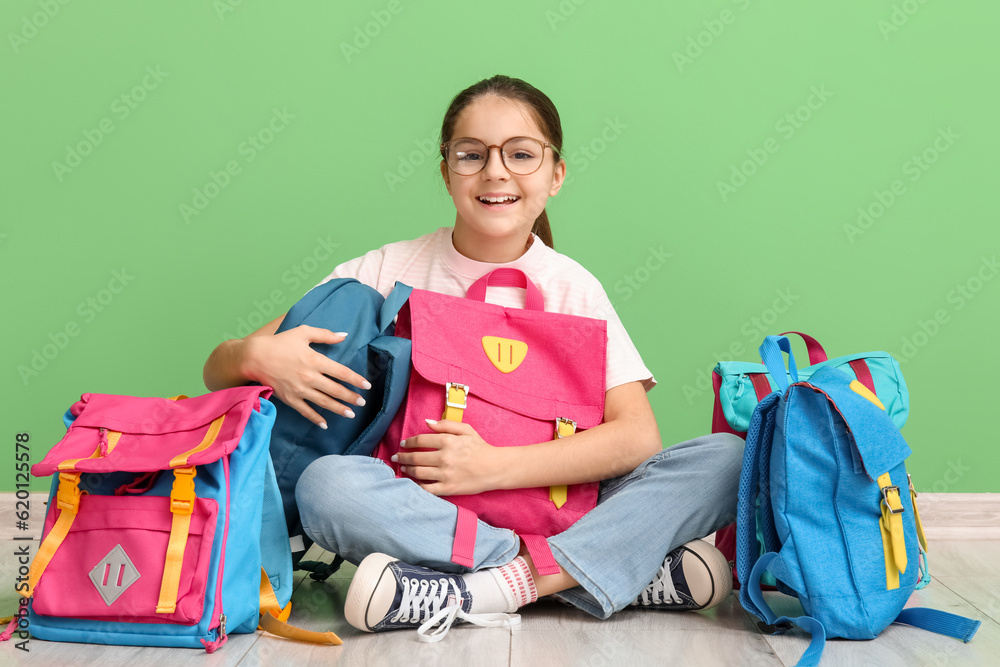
{"x": 505, "y": 200}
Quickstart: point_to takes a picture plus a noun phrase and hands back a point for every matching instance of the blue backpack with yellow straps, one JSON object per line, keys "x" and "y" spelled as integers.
{"x": 827, "y": 464}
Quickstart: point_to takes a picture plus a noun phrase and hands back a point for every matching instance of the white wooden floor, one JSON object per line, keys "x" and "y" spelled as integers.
{"x": 966, "y": 581}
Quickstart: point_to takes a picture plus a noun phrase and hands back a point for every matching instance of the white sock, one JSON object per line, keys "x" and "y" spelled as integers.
{"x": 501, "y": 589}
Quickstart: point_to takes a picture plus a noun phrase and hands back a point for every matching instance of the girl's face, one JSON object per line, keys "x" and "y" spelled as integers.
{"x": 494, "y": 231}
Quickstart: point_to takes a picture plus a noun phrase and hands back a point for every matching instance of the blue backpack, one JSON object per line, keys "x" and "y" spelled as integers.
{"x": 371, "y": 350}
{"x": 826, "y": 463}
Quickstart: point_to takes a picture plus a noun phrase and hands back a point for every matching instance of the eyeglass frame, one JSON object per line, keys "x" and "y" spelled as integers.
{"x": 489, "y": 153}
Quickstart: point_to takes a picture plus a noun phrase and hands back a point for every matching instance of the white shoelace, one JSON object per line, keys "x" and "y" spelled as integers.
{"x": 661, "y": 589}
{"x": 438, "y": 603}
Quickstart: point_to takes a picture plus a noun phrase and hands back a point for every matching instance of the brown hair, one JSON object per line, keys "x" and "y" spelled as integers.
{"x": 513, "y": 89}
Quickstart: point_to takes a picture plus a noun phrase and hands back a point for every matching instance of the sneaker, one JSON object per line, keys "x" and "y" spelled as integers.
{"x": 693, "y": 577}
{"x": 388, "y": 594}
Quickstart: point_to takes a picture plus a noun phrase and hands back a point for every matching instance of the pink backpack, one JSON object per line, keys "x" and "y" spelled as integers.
{"x": 518, "y": 376}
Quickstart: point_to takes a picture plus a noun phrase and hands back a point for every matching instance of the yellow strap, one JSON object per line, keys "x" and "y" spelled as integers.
{"x": 273, "y": 617}
{"x": 182, "y": 497}
{"x": 916, "y": 515}
{"x": 558, "y": 494}
{"x": 865, "y": 392}
{"x": 206, "y": 442}
{"x": 70, "y": 464}
{"x": 891, "y": 525}
{"x": 68, "y": 501}
{"x": 113, "y": 437}
{"x": 920, "y": 525}
{"x": 455, "y": 401}
{"x": 269, "y": 601}
{"x": 270, "y": 623}
{"x": 891, "y": 571}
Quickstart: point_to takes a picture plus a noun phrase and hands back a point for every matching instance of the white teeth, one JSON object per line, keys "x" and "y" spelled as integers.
{"x": 496, "y": 200}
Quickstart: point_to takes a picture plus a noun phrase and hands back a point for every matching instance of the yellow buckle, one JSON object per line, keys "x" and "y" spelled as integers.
{"x": 68, "y": 497}
{"x": 182, "y": 493}
{"x": 892, "y": 502}
{"x": 463, "y": 388}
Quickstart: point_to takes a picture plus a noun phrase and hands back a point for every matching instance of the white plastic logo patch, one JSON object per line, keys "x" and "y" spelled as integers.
{"x": 114, "y": 574}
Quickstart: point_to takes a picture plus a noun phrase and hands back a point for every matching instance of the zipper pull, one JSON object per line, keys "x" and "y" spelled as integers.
{"x": 212, "y": 647}
{"x": 103, "y": 447}
{"x": 740, "y": 386}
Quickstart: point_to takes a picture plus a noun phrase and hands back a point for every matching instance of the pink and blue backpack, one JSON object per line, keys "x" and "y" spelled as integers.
{"x": 164, "y": 525}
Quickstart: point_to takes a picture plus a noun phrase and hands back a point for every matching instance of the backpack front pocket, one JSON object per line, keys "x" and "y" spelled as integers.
{"x": 110, "y": 566}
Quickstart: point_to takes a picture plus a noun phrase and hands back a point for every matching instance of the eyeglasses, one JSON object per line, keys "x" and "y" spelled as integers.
{"x": 520, "y": 155}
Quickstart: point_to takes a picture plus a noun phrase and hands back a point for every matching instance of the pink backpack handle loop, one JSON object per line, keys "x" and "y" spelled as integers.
{"x": 507, "y": 277}
{"x": 816, "y": 352}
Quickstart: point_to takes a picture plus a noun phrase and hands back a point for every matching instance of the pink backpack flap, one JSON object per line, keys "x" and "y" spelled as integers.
{"x": 206, "y": 428}
{"x": 519, "y": 377}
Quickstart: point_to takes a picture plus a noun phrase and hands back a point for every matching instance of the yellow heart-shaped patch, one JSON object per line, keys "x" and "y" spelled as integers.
{"x": 504, "y": 353}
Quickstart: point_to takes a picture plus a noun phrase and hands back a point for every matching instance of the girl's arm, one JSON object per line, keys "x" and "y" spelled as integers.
{"x": 462, "y": 463}
{"x": 287, "y": 363}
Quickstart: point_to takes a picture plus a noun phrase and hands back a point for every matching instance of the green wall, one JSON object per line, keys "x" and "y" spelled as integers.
{"x": 173, "y": 171}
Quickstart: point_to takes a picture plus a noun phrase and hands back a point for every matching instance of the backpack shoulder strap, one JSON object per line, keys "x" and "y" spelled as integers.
{"x": 746, "y": 512}
{"x": 941, "y": 622}
{"x": 390, "y": 307}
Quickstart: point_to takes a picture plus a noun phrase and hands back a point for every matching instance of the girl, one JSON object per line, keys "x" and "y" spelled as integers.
{"x": 501, "y": 145}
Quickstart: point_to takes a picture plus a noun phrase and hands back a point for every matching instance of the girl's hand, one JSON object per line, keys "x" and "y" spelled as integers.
{"x": 459, "y": 463}
{"x": 299, "y": 373}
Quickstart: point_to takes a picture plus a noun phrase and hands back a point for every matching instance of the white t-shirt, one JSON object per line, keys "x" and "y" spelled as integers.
{"x": 432, "y": 263}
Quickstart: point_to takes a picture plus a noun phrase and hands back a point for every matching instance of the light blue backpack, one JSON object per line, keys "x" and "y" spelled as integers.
{"x": 826, "y": 462}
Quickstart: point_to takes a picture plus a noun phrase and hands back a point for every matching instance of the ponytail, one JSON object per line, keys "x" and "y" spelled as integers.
{"x": 542, "y": 230}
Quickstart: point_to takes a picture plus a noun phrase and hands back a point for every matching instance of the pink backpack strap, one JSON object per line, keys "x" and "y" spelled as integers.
{"x": 541, "y": 554}
{"x": 816, "y": 352}
{"x": 507, "y": 277}
{"x": 864, "y": 374}
{"x": 463, "y": 549}
{"x": 464, "y": 546}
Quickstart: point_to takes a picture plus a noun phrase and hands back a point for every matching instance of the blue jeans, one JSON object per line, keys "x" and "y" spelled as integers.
{"x": 355, "y": 506}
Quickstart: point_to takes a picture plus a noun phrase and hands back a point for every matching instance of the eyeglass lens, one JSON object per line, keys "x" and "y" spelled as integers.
{"x": 521, "y": 155}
